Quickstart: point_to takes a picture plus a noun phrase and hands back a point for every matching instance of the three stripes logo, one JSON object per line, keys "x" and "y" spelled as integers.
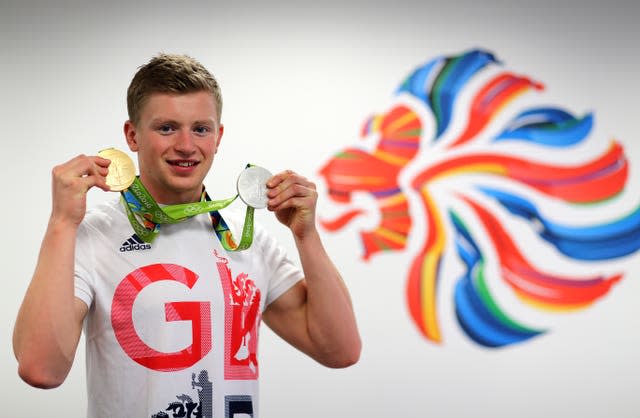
{"x": 133, "y": 244}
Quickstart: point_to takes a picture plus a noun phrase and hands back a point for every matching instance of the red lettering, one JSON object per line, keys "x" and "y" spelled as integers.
{"x": 198, "y": 313}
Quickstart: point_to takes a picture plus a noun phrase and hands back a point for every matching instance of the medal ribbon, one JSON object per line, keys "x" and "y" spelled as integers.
{"x": 146, "y": 216}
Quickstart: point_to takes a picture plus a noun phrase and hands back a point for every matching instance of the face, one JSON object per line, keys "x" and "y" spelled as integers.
{"x": 176, "y": 139}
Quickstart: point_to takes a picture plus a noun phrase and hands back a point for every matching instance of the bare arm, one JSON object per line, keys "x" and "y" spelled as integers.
{"x": 315, "y": 315}
{"x": 49, "y": 322}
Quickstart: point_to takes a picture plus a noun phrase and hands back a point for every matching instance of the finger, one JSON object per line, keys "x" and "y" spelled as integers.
{"x": 295, "y": 192}
{"x": 83, "y": 165}
{"x": 99, "y": 172}
{"x": 300, "y": 208}
{"x": 285, "y": 191}
{"x": 287, "y": 178}
{"x": 102, "y": 162}
{"x": 92, "y": 179}
{"x": 283, "y": 181}
{"x": 93, "y": 171}
{"x": 96, "y": 181}
{"x": 96, "y": 174}
{"x": 278, "y": 178}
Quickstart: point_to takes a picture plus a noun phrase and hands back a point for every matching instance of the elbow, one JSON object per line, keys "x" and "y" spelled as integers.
{"x": 40, "y": 368}
{"x": 345, "y": 358}
{"x": 344, "y": 362}
{"x": 36, "y": 376}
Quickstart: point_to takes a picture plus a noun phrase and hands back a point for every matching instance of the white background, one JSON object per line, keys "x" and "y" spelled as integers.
{"x": 298, "y": 79}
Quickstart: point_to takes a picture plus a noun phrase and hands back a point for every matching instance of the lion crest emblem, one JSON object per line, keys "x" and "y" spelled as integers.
{"x": 496, "y": 177}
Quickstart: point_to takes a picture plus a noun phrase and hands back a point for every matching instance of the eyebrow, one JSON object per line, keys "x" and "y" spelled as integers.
{"x": 163, "y": 120}
{"x": 205, "y": 122}
{"x": 158, "y": 121}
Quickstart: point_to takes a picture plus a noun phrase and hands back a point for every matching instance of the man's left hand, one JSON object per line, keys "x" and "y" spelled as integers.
{"x": 293, "y": 198}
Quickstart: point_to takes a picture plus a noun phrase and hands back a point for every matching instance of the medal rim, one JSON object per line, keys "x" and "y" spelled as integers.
{"x": 121, "y": 159}
{"x": 262, "y": 174}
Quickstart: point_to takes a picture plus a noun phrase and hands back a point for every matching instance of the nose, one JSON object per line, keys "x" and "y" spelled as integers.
{"x": 184, "y": 143}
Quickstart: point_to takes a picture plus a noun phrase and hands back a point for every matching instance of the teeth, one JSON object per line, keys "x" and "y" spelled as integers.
{"x": 185, "y": 164}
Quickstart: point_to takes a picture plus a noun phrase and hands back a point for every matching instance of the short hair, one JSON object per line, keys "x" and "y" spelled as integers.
{"x": 170, "y": 73}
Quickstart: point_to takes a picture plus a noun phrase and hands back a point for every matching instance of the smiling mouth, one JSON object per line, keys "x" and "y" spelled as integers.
{"x": 184, "y": 164}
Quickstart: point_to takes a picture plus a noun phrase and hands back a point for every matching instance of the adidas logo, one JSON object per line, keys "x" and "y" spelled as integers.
{"x": 133, "y": 244}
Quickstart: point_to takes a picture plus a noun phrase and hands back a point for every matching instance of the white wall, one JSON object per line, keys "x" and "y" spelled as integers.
{"x": 298, "y": 79}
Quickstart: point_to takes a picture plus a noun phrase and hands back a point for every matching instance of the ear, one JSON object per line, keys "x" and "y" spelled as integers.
{"x": 130, "y": 135}
{"x": 220, "y": 132}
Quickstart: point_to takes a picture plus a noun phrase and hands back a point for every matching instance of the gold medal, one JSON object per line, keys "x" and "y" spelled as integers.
{"x": 122, "y": 171}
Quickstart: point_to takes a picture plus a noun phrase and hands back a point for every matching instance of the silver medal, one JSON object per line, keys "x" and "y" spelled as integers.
{"x": 252, "y": 186}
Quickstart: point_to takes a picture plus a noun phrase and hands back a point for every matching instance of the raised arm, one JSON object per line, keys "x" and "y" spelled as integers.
{"x": 315, "y": 315}
{"x": 49, "y": 322}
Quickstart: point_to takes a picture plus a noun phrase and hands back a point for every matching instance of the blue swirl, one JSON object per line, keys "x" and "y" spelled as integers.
{"x": 474, "y": 315}
{"x": 548, "y": 126}
{"x": 449, "y": 80}
{"x": 416, "y": 83}
{"x": 453, "y": 76}
{"x": 595, "y": 242}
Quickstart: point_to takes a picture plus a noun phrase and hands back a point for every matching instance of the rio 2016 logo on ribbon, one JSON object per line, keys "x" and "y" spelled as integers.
{"x": 495, "y": 180}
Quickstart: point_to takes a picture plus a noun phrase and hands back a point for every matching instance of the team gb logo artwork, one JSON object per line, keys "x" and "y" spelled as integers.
{"x": 496, "y": 179}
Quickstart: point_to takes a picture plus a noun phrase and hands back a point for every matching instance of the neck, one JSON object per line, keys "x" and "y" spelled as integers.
{"x": 172, "y": 197}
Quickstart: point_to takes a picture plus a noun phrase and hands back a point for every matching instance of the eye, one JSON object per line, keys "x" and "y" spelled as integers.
{"x": 165, "y": 129}
{"x": 202, "y": 130}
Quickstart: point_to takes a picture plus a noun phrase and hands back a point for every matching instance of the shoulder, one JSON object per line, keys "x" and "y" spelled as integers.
{"x": 103, "y": 216}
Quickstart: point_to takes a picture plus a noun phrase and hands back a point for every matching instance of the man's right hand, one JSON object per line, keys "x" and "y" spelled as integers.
{"x": 70, "y": 183}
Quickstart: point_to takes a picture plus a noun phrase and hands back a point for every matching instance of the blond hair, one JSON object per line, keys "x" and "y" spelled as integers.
{"x": 170, "y": 73}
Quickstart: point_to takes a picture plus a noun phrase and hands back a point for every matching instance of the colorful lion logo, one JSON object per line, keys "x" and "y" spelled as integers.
{"x": 498, "y": 180}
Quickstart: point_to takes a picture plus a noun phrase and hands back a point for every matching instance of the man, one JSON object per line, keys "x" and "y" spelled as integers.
{"x": 171, "y": 326}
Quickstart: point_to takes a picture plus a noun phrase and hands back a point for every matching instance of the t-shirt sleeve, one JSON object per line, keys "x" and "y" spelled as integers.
{"x": 83, "y": 271}
{"x": 284, "y": 273}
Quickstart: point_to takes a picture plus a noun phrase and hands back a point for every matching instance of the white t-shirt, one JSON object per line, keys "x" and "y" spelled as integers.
{"x": 172, "y": 328}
